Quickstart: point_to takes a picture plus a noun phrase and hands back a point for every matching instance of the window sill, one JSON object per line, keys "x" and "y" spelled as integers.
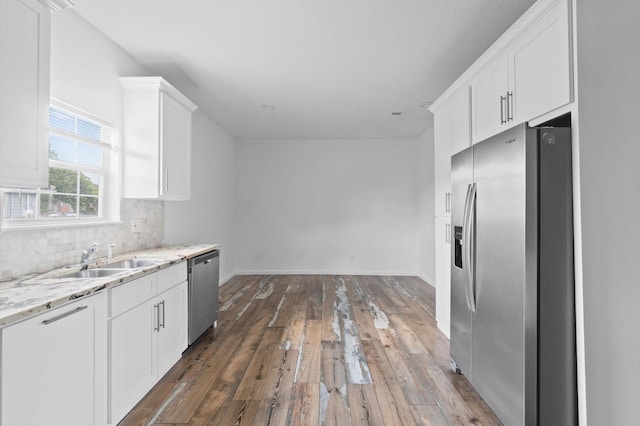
{"x": 24, "y": 226}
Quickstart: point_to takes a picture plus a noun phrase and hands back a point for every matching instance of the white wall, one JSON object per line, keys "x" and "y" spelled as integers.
{"x": 426, "y": 208}
{"x": 209, "y": 217}
{"x": 327, "y": 206}
{"x": 609, "y": 161}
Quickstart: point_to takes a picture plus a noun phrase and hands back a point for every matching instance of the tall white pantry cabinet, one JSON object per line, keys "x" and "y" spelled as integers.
{"x": 452, "y": 133}
{"x": 525, "y": 74}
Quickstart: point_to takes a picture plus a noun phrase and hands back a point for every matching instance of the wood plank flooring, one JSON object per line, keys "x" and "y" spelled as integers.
{"x": 317, "y": 350}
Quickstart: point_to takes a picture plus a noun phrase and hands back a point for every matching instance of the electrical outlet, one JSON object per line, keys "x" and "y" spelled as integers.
{"x": 136, "y": 226}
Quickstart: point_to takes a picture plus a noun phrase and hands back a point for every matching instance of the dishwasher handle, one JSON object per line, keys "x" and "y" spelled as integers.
{"x": 204, "y": 258}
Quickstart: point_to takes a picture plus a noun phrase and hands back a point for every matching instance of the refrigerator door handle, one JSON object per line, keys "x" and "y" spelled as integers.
{"x": 465, "y": 245}
{"x": 470, "y": 248}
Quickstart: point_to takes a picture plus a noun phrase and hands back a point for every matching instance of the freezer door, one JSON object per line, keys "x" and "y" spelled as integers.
{"x": 461, "y": 178}
{"x": 498, "y": 345}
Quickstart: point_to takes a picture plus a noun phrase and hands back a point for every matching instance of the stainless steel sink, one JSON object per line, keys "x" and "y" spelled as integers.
{"x": 131, "y": 264}
{"x": 93, "y": 273}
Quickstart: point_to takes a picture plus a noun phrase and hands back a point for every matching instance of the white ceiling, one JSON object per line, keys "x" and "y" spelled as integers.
{"x": 332, "y": 68}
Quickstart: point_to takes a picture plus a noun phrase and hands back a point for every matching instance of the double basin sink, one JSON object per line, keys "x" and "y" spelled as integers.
{"x": 113, "y": 268}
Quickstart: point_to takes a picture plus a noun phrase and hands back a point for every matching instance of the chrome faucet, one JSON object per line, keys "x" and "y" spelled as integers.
{"x": 86, "y": 254}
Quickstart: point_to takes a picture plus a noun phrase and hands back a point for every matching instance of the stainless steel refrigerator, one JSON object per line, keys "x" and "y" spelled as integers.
{"x": 512, "y": 283}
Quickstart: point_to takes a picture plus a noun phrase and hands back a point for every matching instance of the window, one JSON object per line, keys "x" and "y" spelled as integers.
{"x": 79, "y": 151}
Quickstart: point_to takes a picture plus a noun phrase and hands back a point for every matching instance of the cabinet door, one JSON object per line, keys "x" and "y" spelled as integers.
{"x": 132, "y": 370}
{"x": 488, "y": 106}
{"x": 442, "y": 161}
{"x": 24, "y": 89}
{"x": 461, "y": 120}
{"x": 541, "y": 66}
{"x": 176, "y": 150}
{"x": 51, "y": 366}
{"x": 443, "y": 273}
{"x": 172, "y": 336}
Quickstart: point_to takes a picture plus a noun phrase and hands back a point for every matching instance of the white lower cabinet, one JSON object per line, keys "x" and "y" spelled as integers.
{"x": 131, "y": 370}
{"x": 172, "y": 336}
{"x": 443, "y": 273}
{"x": 147, "y": 335}
{"x": 54, "y": 366}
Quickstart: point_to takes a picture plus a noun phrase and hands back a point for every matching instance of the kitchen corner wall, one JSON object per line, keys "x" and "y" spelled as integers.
{"x": 209, "y": 216}
{"x": 40, "y": 250}
{"x": 426, "y": 208}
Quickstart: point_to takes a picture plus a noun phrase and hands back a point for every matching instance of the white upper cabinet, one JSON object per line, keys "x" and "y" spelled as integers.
{"x": 530, "y": 73}
{"x": 460, "y": 113}
{"x": 24, "y": 93}
{"x": 490, "y": 91}
{"x": 452, "y": 134}
{"x": 541, "y": 64}
{"x": 157, "y": 140}
{"x": 442, "y": 161}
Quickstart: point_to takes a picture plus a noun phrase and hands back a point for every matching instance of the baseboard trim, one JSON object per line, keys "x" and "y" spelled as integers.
{"x": 226, "y": 279}
{"x": 426, "y": 280}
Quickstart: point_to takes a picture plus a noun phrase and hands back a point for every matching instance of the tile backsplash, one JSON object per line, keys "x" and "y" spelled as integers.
{"x": 40, "y": 250}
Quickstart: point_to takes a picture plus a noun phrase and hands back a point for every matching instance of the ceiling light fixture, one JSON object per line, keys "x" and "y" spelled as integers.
{"x": 55, "y": 5}
{"x": 268, "y": 107}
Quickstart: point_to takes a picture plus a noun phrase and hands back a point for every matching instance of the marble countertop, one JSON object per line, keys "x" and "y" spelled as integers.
{"x": 29, "y": 295}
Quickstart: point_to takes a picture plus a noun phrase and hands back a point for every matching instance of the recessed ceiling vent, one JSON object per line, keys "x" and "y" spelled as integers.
{"x": 396, "y": 114}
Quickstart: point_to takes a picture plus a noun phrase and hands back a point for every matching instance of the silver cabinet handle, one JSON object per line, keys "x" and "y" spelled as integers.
{"x": 447, "y": 202}
{"x": 503, "y": 101}
{"x": 447, "y": 231}
{"x": 156, "y": 326}
{"x": 66, "y": 314}
{"x": 166, "y": 179}
{"x": 509, "y": 106}
{"x": 161, "y": 324}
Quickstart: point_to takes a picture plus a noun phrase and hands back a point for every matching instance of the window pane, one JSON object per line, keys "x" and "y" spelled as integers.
{"x": 89, "y": 206}
{"x": 88, "y": 129}
{"x": 58, "y": 205}
{"x": 89, "y": 183}
{"x": 63, "y": 180}
{"x": 19, "y": 205}
{"x": 46, "y": 205}
{"x": 61, "y": 148}
{"x": 77, "y": 172}
{"x": 90, "y": 155}
{"x": 60, "y": 119}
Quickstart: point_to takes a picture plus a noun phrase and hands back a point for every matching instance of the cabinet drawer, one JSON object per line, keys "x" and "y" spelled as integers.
{"x": 171, "y": 276}
{"x": 128, "y": 295}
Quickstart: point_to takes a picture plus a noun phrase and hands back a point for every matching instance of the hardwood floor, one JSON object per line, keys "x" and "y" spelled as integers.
{"x": 302, "y": 350}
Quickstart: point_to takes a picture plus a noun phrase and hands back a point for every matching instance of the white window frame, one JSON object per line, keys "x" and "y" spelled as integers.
{"x": 109, "y": 196}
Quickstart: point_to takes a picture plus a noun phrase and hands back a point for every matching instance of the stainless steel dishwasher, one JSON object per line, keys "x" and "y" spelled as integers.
{"x": 204, "y": 272}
